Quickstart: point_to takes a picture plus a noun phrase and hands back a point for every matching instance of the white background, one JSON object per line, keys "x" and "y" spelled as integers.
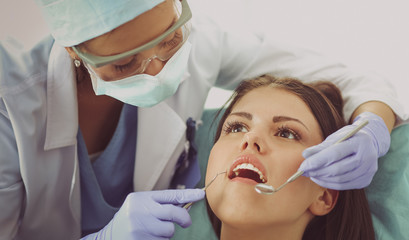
{"x": 370, "y": 34}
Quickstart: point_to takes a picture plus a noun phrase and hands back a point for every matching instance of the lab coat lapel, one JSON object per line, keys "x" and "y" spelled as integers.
{"x": 62, "y": 111}
{"x": 160, "y": 131}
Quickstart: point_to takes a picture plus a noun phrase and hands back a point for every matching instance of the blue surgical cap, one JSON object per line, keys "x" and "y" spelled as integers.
{"x": 75, "y": 21}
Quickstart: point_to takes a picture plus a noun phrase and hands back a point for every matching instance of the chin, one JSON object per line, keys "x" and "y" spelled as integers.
{"x": 244, "y": 220}
{"x": 238, "y": 208}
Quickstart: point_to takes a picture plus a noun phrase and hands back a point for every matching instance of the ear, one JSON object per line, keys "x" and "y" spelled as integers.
{"x": 73, "y": 55}
{"x": 325, "y": 202}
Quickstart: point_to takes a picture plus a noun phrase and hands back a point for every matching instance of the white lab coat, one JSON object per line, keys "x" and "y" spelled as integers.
{"x": 39, "y": 175}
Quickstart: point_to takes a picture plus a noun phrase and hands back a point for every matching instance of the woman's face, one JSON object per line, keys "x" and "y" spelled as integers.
{"x": 265, "y": 134}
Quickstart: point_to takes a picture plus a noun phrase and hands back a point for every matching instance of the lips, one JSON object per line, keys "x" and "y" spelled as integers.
{"x": 249, "y": 167}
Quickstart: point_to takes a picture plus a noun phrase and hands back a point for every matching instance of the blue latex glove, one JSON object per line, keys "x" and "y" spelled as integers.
{"x": 350, "y": 164}
{"x": 149, "y": 215}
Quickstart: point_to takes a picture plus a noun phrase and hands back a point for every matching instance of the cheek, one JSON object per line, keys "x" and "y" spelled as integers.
{"x": 294, "y": 200}
{"x": 218, "y": 161}
{"x": 211, "y": 164}
{"x": 213, "y": 195}
{"x": 283, "y": 165}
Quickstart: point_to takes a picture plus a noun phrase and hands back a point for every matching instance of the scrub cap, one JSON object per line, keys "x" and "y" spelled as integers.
{"x": 75, "y": 21}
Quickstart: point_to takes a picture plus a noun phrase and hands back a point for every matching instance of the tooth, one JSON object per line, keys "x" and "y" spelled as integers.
{"x": 249, "y": 166}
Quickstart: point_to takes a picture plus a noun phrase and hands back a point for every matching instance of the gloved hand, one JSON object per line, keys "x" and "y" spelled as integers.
{"x": 149, "y": 215}
{"x": 350, "y": 164}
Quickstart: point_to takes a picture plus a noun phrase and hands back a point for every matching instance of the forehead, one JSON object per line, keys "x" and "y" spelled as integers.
{"x": 134, "y": 33}
{"x": 268, "y": 102}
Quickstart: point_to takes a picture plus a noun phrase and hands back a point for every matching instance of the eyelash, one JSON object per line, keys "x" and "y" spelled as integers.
{"x": 173, "y": 42}
{"x": 124, "y": 67}
{"x": 285, "y": 129}
{"x": 233, "y": 125}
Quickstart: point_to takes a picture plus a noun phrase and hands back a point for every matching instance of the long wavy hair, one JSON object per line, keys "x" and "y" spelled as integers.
{"x": 350, "y": 219}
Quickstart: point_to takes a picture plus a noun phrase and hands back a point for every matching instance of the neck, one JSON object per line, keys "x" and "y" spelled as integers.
{"x": 98, "y": 116}
{"x": 285, "y": 231}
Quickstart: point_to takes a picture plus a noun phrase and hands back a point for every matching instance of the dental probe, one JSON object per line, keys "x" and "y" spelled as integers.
{"x": 187, "y": 205}
{"x": 263, "y": 188}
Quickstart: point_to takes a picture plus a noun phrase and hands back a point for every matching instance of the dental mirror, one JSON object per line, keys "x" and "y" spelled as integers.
{"x": 266, "y": 189}
{"x": 263, "y": 188}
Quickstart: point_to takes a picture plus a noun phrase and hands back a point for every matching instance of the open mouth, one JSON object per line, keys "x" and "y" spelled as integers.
{"x": 247, "y": 170}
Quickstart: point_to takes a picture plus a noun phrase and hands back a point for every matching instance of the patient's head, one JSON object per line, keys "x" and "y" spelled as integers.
{"x": 260, "y": 138}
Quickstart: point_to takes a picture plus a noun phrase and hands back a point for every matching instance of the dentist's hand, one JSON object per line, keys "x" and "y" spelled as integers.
{"x": 350, "y": 164}
{"x": 150, "y": 215}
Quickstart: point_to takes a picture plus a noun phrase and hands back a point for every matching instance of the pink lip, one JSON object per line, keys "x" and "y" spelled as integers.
{"x": 248, "y": 159}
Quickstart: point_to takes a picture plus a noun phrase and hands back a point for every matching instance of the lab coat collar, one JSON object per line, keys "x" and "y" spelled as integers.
{"x": 62, "y": 109}
{"x": 160, "y": 131}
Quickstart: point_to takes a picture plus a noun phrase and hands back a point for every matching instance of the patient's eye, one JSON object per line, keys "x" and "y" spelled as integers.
{"x": 235, "y": 127}
{"x": 286, "y": 132}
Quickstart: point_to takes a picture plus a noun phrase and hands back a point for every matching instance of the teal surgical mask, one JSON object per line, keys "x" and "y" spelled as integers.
{"x": 144, "y": 90}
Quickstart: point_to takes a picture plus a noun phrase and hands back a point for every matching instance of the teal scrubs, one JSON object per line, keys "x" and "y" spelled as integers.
{"x": 107, "y": 181}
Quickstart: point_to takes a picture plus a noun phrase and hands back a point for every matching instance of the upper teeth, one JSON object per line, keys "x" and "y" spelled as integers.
{"x": 248, "y": 166}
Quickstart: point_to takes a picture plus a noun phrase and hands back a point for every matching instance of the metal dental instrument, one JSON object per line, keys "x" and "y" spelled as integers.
{"x": 187, "y": 205}
{"x": 263, "y": 188}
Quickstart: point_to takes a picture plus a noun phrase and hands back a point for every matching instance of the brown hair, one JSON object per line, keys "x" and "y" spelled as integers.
{"x": 350, "y": 218}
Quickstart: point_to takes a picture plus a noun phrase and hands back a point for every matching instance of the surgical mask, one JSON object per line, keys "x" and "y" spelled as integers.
{"x": 145, "y": 90}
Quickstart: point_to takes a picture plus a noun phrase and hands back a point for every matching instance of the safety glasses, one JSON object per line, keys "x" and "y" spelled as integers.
{"x": 99, "y": 61}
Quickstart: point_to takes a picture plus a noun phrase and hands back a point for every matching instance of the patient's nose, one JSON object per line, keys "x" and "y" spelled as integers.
{"x": 253, "y": 141}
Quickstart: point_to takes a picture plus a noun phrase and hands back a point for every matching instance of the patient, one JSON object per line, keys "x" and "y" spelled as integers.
{"x": 260, "y": 138}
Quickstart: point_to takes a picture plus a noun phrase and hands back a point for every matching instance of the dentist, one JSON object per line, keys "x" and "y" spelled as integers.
{"x": 97, "y": 122}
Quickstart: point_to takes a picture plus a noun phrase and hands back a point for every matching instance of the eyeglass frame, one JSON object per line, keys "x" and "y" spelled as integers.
{"x": 99, "y": 61}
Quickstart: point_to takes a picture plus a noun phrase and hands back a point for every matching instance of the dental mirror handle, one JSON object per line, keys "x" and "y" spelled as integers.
{"x": 295, "y": 176}
{"x": 290, "y": 179}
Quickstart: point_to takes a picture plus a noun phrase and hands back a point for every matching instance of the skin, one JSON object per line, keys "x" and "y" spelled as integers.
{"x": 380, "y": 109}
{"x": 246, "y": 214}
{"x": 99, "y": 115}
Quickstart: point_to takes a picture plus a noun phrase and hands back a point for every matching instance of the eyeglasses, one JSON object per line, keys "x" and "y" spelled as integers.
{"x": 165, "y": 54}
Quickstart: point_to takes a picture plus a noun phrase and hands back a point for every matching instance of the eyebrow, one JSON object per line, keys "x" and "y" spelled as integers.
{"x": 276, "y": 119}
{"x": 242, "y": 114}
